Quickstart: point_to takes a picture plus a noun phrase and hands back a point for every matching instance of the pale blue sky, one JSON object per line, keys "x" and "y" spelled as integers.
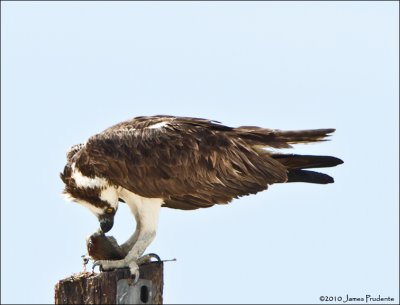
{"x": 70, "y": 70}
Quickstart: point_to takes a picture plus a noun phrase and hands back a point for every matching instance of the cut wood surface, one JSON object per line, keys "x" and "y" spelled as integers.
{"x": 101, "y": 288}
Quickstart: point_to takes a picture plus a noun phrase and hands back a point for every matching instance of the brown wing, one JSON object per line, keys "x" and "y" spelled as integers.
{"x": 191, "y": 163}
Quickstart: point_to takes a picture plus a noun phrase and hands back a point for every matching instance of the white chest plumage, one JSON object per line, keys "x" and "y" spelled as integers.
{"x": 145, "y": 210}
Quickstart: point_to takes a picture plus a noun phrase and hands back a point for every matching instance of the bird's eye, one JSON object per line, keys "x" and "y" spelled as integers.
{"x": 109, "y": 210}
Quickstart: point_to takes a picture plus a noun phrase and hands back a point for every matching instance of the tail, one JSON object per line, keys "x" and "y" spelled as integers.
{"x": 296, "y": 164}
{"x": 280, "y": 138}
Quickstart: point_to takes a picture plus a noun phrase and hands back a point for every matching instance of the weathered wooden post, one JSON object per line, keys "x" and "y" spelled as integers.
{"x": 113, "y": 287}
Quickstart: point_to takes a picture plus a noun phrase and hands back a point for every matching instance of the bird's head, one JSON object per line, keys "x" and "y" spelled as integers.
{"x": 95, "y": 193}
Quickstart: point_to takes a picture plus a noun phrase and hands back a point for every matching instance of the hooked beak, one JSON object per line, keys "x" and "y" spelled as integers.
{"x": 106, "y": 222}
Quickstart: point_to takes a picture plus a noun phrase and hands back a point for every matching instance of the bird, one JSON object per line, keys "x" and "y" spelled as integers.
{"x": 183, "y": 163}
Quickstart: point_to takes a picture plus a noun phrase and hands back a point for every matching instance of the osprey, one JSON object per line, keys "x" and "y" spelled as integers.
{"x": 183, "y": 163}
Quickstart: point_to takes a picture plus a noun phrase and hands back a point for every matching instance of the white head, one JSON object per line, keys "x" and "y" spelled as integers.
{"x": 95, "y": 193}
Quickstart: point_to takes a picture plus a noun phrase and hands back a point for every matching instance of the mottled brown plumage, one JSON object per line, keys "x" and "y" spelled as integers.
{"x": 194, "y": 163}
{"x": 181, "y": 163}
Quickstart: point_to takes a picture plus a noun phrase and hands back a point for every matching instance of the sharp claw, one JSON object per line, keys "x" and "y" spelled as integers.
{"x": 85, "y": 259}
{"x": 147, "y": 258}
{"x": 95, "y": 264}
{"x": 153, "y": 255}
{"x": 134, "y": 270}
{"x": 137, "y": 275}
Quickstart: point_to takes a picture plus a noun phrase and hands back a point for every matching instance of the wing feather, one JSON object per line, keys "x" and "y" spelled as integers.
{"x": 191, "y": 163}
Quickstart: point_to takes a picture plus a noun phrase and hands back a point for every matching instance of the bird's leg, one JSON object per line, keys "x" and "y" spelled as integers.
{"x": 131, "y": 260}
{"x": 146, "y": 213}
{"x": 127, "y": 246}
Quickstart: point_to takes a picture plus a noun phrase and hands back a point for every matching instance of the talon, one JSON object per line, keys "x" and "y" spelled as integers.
{"x": 134, "y": 269}
{"x": 147, "y": 258}
{"x": 156, "y": 256}
{"x": 95, "y": 264}
{"x": 85, "y": 259}
{"x": 137, "y": 275}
